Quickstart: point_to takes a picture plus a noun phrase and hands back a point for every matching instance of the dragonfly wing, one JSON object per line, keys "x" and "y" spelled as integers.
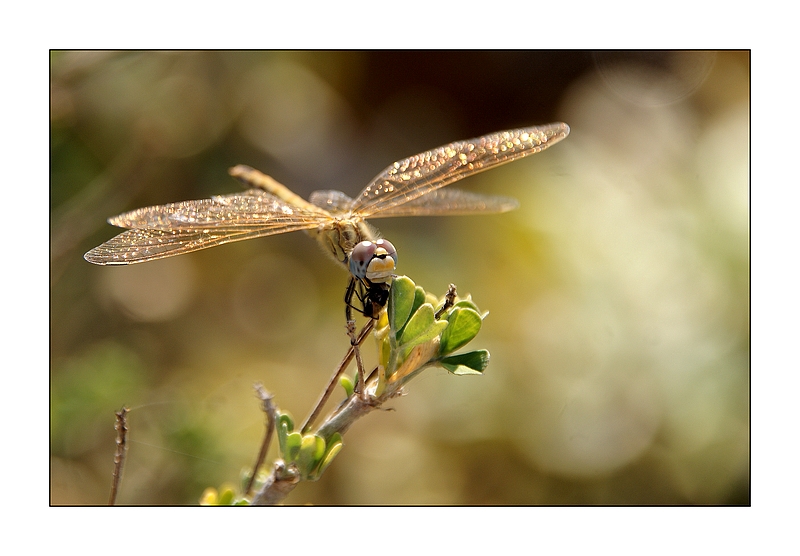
{"x": 409, "y": 179}
{"x": 140, "y": 245}
{"x": 331, "y": 200}
{"x": 262, "y": 183}
{"x": 450, "y": 202}
{"x": 176, "y": 228}
{"x": 250, "y": 209}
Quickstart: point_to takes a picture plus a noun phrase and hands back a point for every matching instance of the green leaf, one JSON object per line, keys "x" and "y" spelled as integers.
{"x": 284, "y": 426}
{"x": 335, "y": 437}
{"x": 401, "y": 301}
{"x": 419, "y": 323}
{"x": 287, "y": 419}
{"x": 464, "y": 326}
{"x": 328, "y": 459}
{"x": 210, "y": 497}
{"x": 470, "y": 363}
{"x": 334, "y": 446}
{"x": 312, "y": 448}
{"x": 467, "y": 304}
{"x": 226, "y": 497}
{"x": 293, "y": 442}
{"x": 347, "y": 383}
{"x": 420, "y": 297}
{"x": 435, "y": 329}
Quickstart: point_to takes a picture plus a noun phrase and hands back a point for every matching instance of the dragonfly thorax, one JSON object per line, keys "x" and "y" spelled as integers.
{"x": 340, "y": 237}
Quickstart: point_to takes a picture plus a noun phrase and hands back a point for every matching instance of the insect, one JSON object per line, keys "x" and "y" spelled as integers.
{"x": 409, "y": 187}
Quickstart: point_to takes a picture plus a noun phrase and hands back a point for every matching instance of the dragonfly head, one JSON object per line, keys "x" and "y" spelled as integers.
{"x": 373, "y": 260}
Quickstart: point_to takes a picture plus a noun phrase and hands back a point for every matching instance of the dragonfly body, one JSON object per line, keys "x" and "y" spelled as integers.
{"x": 338, "y": 230}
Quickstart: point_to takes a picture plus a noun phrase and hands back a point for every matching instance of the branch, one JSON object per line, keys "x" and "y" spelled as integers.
{"x": 412, "y": 335}
{"x": 269, "y": 409}
{"x": 121, "y": 426}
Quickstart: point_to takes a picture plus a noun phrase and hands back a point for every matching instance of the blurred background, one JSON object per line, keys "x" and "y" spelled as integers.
{"x": 618, "y": 292}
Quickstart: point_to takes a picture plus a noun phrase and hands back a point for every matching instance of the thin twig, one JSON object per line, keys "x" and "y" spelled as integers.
{"x": 335, "y": 378}
{"x": 121, "y": 426}
{"x": 269, "y": 408}
{"x": 449, "y": 300}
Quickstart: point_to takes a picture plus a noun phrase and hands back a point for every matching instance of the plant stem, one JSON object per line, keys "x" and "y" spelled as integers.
{"x": 335, "y": 378}
{"x": 269, "y": 410}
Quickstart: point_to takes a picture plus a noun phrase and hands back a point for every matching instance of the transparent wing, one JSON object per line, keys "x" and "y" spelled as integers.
{"x": 167, "y": 230}
{"x": 450, "y": 202}
{"x": 419, "y": 175}
{"x": 331, "y": 200}
{"x": 253, "y": 208}
{"x": 139, "y": 246}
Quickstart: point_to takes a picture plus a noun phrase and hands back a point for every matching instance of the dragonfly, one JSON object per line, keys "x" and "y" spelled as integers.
{"x": 409, "y": 187}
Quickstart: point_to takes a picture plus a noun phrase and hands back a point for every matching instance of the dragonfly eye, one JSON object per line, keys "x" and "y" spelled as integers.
{"x": 360, "y": 257}
{"x": 389, "y": 249}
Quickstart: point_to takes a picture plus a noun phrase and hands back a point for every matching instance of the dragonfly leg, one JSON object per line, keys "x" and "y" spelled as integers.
{"x": 351, "y": 332}
{"x": 360, "y": 382}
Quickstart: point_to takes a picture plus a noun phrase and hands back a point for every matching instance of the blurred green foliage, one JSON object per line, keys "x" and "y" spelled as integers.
{"x": 619, "y": 290}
